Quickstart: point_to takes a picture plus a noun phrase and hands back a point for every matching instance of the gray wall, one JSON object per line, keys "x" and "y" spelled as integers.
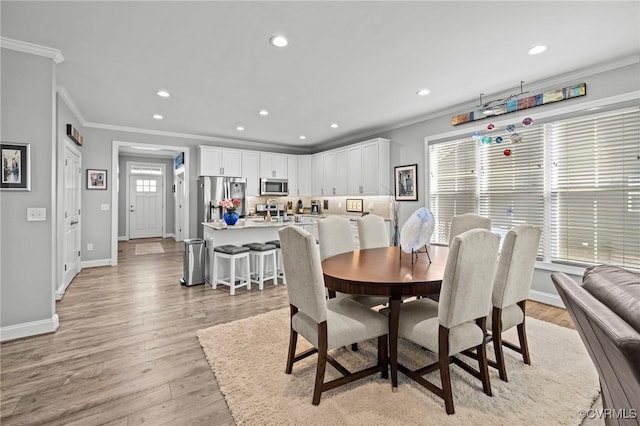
{"x": 27, "y": 274}
{"x": 122, "y": 194}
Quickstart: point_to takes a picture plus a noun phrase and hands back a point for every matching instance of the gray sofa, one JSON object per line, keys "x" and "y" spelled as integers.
{"x": 606, "y": 312}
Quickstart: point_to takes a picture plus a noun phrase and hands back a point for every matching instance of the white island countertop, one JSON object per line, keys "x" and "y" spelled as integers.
{"x": 253, "y": 224}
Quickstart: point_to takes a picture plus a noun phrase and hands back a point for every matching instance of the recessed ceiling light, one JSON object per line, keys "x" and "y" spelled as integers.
{"x": 278, "y": 41}
{"x": 157, "y": 116}
{"x": 423, "y": 92}
{"x": 163, "y": 93}
{"x": 302, "y": 137}
{"x": 263, "y": 112}
{"x": 537, "y": 49}
{"x": 334, "y": 125}
{"x": 240, "y": 129}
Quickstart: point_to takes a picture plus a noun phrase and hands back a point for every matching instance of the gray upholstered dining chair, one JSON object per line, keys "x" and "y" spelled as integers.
{"x": 511, "y": 290}
{"x": 372, "y": 232}
{"x": 458, "y": 321}
{"x": 464, "y": 222}
{"x": 326, "y": 324}
{"x": 334, "y": 237}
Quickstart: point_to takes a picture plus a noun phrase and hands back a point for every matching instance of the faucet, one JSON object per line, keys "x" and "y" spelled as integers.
{"x": 273, "y": 202}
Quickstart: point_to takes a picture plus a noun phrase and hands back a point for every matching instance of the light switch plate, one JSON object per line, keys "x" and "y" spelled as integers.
{"x": 36, "y": 214}
{"x": 354, "y": 205}
{"x": 104, "y": 207}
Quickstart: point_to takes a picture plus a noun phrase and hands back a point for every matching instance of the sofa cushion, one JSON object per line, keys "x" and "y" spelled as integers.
{"x": 616, "y": 288}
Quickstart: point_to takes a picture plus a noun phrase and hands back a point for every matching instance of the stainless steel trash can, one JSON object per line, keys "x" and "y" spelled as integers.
{"x": 193, "y": 262}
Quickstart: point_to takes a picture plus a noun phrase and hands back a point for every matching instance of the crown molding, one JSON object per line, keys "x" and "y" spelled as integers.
{"x": 34, "y": 49}
{"x": 64, "y": 95}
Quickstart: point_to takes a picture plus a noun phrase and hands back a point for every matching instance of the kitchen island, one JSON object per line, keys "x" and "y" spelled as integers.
{"x": 243, "y": 232}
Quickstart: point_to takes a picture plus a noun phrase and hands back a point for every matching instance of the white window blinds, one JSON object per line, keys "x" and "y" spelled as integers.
{"x": 452, "y": 182}
{"x": 595, "y": 189}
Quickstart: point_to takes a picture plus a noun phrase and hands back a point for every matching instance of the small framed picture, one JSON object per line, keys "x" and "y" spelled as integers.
{"x": 406, "y": 179}
{"x": 96, "y": 179}
{"x": 16, "y": 166}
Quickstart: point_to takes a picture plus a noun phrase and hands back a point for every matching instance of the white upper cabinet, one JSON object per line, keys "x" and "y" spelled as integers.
{"x": 220, "y": 162}
{"x": 341, "y": 172}
{"x": 304, "y": 176}
{"x": 329, "y": 174}
{"x": 369, "y": 168}
{"x": 292, "y": 174}
{"x": 273, "y": 166}
{"x": 317, "y": 174}
{"x": 250, "y": 162}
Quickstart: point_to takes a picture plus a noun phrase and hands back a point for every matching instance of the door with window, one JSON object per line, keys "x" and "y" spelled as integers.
{"x": 146, "y": 202}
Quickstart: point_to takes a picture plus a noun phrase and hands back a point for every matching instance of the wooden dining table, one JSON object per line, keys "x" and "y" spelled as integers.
{"x": 387, "y": 272}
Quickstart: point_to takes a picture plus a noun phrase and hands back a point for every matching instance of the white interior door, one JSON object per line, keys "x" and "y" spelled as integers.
{"x": 145, "y": 206}
{"x": 71, "y": 240}
{"x": 179, "y": 233}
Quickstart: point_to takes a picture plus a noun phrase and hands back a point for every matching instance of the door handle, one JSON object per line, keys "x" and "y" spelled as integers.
{"x": 75, "y": 222}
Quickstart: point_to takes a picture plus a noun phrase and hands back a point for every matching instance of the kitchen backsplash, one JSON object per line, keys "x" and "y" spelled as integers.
{"x": 379, "y": 204}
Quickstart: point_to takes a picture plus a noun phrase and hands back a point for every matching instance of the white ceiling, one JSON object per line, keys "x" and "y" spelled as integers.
{"x": 358, "y": 64}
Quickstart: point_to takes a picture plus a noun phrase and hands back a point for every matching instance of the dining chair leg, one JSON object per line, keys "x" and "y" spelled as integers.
{"x": 496, "y": 320}
{"x": 483, "y": 365}
{"x": 522, "y": 335}
{"x": 322, "y": 362}
{"x": 354, "y": 347}
{"x": 382, "y": 356}
{"x": 443, "y": 361}
{"x": 293, "y": 341}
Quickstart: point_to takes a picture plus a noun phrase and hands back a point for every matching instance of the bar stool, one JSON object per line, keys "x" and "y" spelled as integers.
{"x": 279, "y": 260}
{"x": 233, "y": 254}
{"x": 259, "y": 253}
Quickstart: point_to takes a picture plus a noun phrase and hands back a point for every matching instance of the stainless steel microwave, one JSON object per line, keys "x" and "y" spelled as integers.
{"x": 270, "y": 186}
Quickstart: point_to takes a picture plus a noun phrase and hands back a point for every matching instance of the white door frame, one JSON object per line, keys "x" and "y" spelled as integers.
{"x": 128, "y": 166}
{"x": 179, "y": 232}
{"x": 115, "y": 147}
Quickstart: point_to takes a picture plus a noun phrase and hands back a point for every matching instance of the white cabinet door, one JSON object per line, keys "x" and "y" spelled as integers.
{"x": 250, "y": 172}
{"x": 292, "y": 174}
{"x": 317, "y": 174}
{"x": 304, "y": 175}
{"x": 341, "y": 173}
{"x": 231, "y": 163}
{"x": 370, "y": 170}
{"x": 210, "y": 159}
{"x": 329, "y": 185}
{"x": 273, "y": 166}
{"x": 354, "y": 186}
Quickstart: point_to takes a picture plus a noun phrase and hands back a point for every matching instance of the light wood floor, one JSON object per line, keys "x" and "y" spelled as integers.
{"x": 126, "y": 351}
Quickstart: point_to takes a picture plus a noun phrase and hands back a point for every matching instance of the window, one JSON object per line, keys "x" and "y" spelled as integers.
{"x": 577, "y": 179}
{"x": 145, "y": 185}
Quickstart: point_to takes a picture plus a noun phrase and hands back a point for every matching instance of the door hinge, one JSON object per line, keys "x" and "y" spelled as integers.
{"x": 78, "y": 253}
{"x": 66, "y": 162}
{"x": 65, "y": 267}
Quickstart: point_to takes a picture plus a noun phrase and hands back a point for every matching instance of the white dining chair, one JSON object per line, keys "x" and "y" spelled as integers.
{"x": 464, "y": 222}
{"x": 372, "y": 232}
{"x": 458, "y": 321}
{"x": 326, "y": 324}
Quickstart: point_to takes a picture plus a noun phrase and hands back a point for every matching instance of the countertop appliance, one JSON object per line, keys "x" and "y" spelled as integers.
{"x": 269, "y": 186}
{"x": 315, "y": 207}
{"x": 212, "y": 189}
{"x": 276, "y": 210}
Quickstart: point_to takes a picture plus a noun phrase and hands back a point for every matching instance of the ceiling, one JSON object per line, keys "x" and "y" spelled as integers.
{"x": 358, "y": 64}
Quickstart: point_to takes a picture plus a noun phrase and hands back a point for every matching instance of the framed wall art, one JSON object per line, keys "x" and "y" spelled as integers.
{"x": 96, "y": 179}
{"x": 16, "y": 166}
{"x": 406, "y": 181}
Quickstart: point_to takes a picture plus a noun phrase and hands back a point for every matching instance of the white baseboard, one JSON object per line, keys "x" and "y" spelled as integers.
{"x": 96, "y": 263}
{"x": 169, "y": 235}
{"x": 123, "y": 238}
{"x": 60, "y": 291}
{"x": 29, "y": 329}
{"x": 549, "y": 299}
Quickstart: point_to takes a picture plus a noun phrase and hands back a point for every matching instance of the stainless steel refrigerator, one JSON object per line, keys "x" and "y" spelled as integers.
{"x": 212, "y": 189}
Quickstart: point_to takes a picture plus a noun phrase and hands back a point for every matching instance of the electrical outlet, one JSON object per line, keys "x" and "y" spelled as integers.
{"x": 104, "y": 207}
{"x": 36, "y": 214}
{"x": 90, "y": 247}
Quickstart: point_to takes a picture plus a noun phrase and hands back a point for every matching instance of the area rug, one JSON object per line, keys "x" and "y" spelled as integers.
{"x": 248, "y": 358}
{"x": 149, "y": 248}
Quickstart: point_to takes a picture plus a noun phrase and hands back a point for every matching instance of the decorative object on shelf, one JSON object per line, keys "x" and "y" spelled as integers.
{"x": 417, "y": 231}
{"x": 354, "y": 205}
{"x": 406, "y": 182}
{"x": 16, "y": 166}
{"x": 96, "y": 179}
{"x": 74, "y": 135}
{"x": 511, "y": 103}
{"x": 230, "y": 215}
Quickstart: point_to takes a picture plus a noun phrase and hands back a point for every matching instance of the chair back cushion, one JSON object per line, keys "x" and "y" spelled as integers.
{"x": 468, "y": 277}
{"x": 305, "y": 282}
{"x": 465, "y": 222}
{"x": 372, "y": 232}
{"x": 515, "y": 265}
{"x": 612, "y": 344}
{"x": 334, "y": 236}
